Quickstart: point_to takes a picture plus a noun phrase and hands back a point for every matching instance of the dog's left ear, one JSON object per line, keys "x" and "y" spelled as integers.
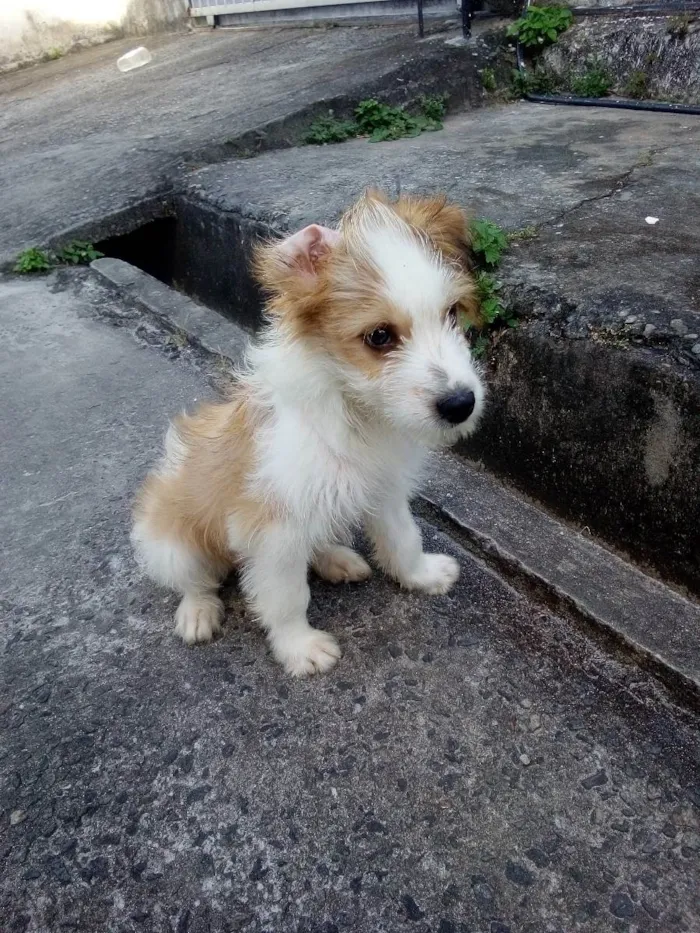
{"x": 296, "y": 260}
{"x": 445, "y": 224}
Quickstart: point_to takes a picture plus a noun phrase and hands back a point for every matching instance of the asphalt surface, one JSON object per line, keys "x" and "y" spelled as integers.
{"x": 80, "y": 140}
{"x": 472, "y": 764}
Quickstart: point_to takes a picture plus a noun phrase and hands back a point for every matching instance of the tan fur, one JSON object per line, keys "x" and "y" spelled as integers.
{"x": 333, "y": 306}
{"x": 191, "y": 506}
{"x": 341, "y": 302}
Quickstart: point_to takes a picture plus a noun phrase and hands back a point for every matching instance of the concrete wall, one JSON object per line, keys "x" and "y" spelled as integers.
{"x": 32, "y": 30}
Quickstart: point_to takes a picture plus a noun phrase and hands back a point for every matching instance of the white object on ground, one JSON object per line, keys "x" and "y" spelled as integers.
{"x": 134, "y": 59}
{"x": 652, "y": 220}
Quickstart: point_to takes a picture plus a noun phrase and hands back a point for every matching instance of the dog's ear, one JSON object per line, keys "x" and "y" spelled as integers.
{"x": 445, "y": 224}
{"x": 295, "y": 261}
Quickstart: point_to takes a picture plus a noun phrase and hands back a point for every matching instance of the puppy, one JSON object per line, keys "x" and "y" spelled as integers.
{"x": 363, "y": 367}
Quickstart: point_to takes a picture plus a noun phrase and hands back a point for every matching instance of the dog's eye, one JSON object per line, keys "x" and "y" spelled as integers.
{"x": 381, "y": 338}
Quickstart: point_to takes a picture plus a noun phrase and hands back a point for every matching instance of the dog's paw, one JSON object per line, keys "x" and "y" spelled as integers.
{"x": 436, "y": 575}
{"x": 341, "y": 564}
{"x": 198, "y": 619}
{"x": 308, "y": 652}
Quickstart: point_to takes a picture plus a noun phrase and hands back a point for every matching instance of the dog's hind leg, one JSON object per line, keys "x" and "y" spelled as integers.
{"x": 340, "y": 564}
{"x": 181, "y": 567}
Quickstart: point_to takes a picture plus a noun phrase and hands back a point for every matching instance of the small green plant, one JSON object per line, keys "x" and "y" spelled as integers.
{"x": 541, "y": 26}
{"x": 594, "y": 82}
{"x": 637, "y": 85}
{"x": 538, "y": 80}
{"x": 379, "y": 121}
{"x": 329, "y": 130}
{"x": 34, "y": 260}
{"x": 78, "y": 253}
{"x": 679, "y": 25}
{"x": 488, "y": 245}
{"x": 434, "y": 108}
{"x": 492, "y": 307}
{"x": 52, "y": 54}
{"x": 488, "y": 79}
{"x": 480, "y": 344}
{"x": 75, "y": 253}
{"x": 489, "y": 242}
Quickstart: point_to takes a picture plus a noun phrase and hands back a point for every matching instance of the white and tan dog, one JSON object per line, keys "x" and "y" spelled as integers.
{"x": 363, "y": 367}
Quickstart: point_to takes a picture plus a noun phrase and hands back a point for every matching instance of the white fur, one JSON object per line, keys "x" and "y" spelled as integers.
{"x": 435, "y": 360}
{"x": 335, "y": 449}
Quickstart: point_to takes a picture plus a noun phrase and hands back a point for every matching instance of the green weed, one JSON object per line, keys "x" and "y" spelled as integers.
{"x": 33, "y": 260}
{"x": 492, "y": 307}
{"x": 489, "y": 242}
{"x": 78, "y": 253}
{"x": 75, "y": 253}
{"x": 480, "y": 345}
{"x": 433, "y": 107}
{"x": 523, "y": 235}
{"x": 637, "y": 85}
{"x": 329, "y": 130}
{"x": 593, "y": 82}
{"x": 538, "y": 80}
{"x": 541, "y": 26}
{"x": 488, "y": 79}
{"x": 679, "y": 25}
{"x": 380, "y": 122}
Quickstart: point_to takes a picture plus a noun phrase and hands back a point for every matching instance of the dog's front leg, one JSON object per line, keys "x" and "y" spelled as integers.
{"x": 398, "y": 549}
{"x": 275, "y": 582}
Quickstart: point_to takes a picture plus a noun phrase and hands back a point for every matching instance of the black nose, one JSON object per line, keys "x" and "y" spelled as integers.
{"x": 456, "y": 408}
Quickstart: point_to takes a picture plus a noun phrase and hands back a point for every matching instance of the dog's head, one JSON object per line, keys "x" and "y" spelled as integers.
{"x": 382, "y": 300}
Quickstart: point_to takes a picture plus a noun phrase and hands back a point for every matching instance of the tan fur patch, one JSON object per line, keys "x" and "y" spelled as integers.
{"x": 193, "y": 504}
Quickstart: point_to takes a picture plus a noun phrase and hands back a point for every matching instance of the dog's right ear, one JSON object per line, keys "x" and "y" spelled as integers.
{"x": 293, "y": 264}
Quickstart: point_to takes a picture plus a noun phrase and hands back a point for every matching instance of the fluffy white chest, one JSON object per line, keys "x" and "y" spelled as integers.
{"x": 327, "y": 474}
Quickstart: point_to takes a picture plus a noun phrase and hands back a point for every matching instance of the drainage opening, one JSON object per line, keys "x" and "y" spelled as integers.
{"x": 150, "y": 248}
{"x": 203, "y": 253}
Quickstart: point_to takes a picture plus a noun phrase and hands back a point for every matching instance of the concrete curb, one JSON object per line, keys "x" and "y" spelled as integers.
{"x": 206, "y": 328}
{"x": 656, "y": 624}
{"x": 652, "y": 623}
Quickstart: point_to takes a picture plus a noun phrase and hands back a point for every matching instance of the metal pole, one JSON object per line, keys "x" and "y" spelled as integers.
{"x": 467, "y": 18}
{"x": 421, "y": 28}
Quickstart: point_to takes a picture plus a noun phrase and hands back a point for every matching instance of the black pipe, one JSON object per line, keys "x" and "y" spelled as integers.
{"x": 421, "y": 26}
{"x": 613, "y": 103}
{"x": 643, "y": 9}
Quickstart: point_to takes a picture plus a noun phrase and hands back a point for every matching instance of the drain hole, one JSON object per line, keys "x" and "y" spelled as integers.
{"x": 203, "y": 253}
{"x": 150, "y": 248}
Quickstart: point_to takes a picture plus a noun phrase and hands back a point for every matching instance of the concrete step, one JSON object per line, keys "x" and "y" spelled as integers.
{"x": 595, "y": 401}
{"x": 643, "y": 620}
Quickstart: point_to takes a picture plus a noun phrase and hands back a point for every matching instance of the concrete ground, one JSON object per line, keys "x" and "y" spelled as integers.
{"x": 586, "y": 179}
{"x": 476, "y": 764}
{"x": 80, "y": 140}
